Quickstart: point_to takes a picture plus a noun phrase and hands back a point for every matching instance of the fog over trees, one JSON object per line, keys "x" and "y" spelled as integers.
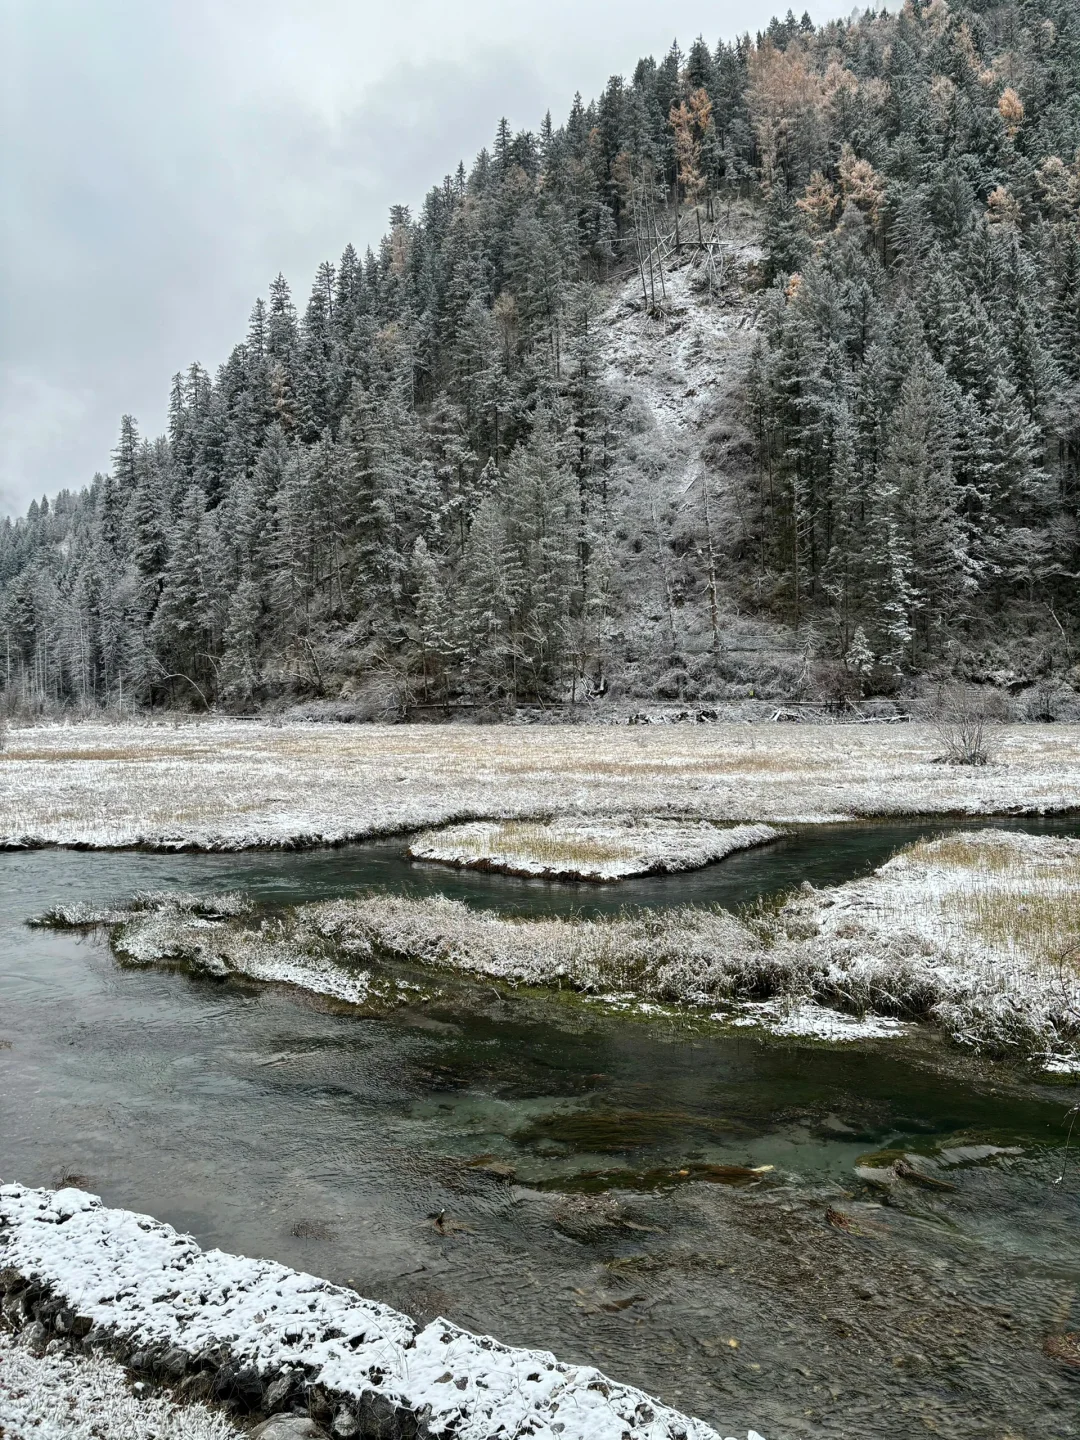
{"x": 414, "y": 477}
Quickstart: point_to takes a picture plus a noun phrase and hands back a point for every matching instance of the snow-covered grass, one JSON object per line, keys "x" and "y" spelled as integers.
{"x": 328, "y": 946}
{"x": 587, "y": 849}
{"x": 880, "y": 950}
{"x": 139, "y": 1279}
{"x": 1016, "y": 895}
{"x": 989, "y": 919}
{"x": 227, "y": 785}
{"x": 61, "y": 1396}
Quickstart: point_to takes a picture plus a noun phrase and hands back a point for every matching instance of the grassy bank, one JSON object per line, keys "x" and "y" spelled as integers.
{"x": 975, "y": 933}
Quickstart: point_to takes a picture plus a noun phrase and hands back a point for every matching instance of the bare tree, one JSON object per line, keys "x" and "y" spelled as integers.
{"x": 961, "y": 715}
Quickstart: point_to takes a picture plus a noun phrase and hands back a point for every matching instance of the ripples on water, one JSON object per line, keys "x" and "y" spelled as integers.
{"x": 267, "y": 1122}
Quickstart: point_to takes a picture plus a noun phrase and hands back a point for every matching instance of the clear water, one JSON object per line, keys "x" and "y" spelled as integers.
{"x": 551, "y": 1138}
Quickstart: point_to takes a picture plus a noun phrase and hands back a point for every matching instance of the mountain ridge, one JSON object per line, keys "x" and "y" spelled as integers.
{"x": 760, "y": 375}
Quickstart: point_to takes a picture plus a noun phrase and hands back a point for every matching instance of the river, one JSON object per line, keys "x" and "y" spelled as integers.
{"x": 549, "y": 1136}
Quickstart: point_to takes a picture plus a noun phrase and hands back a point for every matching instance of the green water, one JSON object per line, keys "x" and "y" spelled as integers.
{"x": 553, "y": 1138}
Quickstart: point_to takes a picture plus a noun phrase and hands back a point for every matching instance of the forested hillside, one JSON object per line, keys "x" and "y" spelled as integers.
{"x": 761, "y": 371}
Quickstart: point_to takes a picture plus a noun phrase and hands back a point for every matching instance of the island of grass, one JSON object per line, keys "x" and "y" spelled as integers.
{"x": 977, "y": 933}
{"x": 580, "y": 848}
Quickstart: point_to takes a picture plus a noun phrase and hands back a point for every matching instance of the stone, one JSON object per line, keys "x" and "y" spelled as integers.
{"x": 174, "y": 1363}
{"x": 35, "y": 1337}
{"x": 240, "y": 1386}
{"x": 346, "y": 1426}
{"x": 320, "y": 1407}
{"x": 211, "y": 1357}
{"x": 279, "y": 1390}
{"x": 199, "y": 1386}
{"x": 377, "y": 1416}
{"x": 287, "y": 1427}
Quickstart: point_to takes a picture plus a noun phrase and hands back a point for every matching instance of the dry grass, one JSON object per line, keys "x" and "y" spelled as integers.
{"x": 1045, "y": 926}
{"x": 221, "y": 783}
{"x": 547, "y": 846}
{"x": 1008, "y": 895}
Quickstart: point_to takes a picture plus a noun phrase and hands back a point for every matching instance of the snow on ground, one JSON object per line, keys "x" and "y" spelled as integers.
{"x": 156, "y": 1287}
{"x": 815, "y": 1022}
{"x": 990, "y": 921}
{"x": 75, "y": 1397}
{"x": 843, "y": 964}
{"x": 571, "y": 849}
{"x": 228, "y": 785}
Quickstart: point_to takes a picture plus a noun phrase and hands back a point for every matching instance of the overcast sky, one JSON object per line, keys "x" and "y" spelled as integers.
{"x": 161, "y": 161}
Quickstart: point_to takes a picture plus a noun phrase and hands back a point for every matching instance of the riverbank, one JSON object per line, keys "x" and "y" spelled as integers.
{"x": 976, "y": 932}
{"x": 990, "y": 919}
{"x": 223, "y": 785}
{"x": 260, "y": 1339}
{"x": 267, "y": 1122}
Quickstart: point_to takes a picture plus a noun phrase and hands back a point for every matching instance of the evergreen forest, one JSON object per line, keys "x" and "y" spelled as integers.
{"x": 418, "y": 483}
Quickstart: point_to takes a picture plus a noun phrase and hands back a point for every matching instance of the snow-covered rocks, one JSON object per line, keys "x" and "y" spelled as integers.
{"x": 252, "y": 1328}
{"x": 573, "y": 848}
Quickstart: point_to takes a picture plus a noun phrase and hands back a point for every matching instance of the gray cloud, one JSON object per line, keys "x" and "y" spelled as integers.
{"x": 162, "y": 161}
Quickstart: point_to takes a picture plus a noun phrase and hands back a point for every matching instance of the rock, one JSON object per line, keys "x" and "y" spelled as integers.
{"x": 240, "y": 1386}
{"x": 10, "y": 1279}
{"x": 211, "y": 1357}
{"x": 199, "y": 1386}
{"x": 174, "y": 1363}
{"x": 320, "y": 1406}
{"x": 346, "y": 1425}
{"x": 287, "y": 1427}
{"x": 278, "y": 1391}
{"x": 35, "y": 1337}
{"x": 377, "y": 1416}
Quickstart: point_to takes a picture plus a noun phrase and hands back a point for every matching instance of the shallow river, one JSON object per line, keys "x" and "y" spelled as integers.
{"x": 551, "y": 1138}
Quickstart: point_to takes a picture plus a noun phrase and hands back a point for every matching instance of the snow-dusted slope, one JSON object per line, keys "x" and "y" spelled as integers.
{"x": 679, "y": 370}
{"x": 86, "y": 1397}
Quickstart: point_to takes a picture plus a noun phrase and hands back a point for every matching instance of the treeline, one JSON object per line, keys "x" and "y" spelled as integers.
{"x": 410, "y": 478}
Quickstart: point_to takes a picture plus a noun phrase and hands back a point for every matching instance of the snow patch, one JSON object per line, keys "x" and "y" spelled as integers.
{"x": 815, "y": 1022}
